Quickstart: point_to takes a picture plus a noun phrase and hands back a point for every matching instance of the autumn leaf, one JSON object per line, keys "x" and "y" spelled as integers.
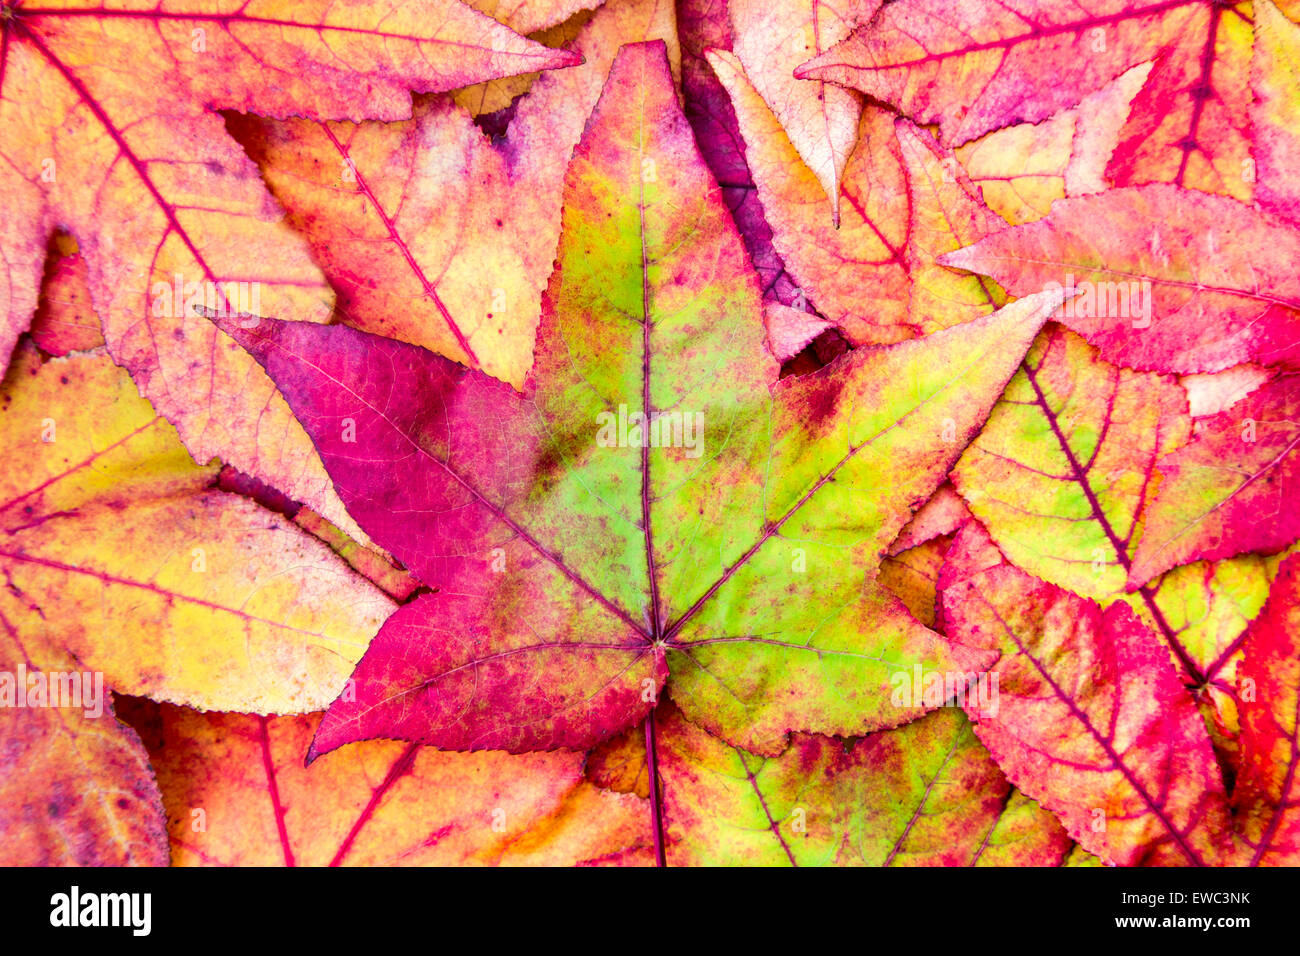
{"x": 944, "y": 513}
{"x": 854, "y": 273}
{"x": 1232, "y": 488}
{"x": 430, "y": 233}
{"x": 1063, "y": 477}
{"x": 705, "y": 25}
{"x": 165, "y": 207}
{"x": 1269, "y": 684}
{"x": 1021, "y": 170}
{"x": 650, "y": 432}
{"x": 947, "y": 212}
{"x": 237, "y": 794}
{"x": 1061, "y": 471}
{"x": 117, "y": 551}
{"x": 76, "y": 787}
{"x": 617, "y": 566}
{"x": 912, "y": 575}
{"x": 973, "y": 68}
{"x": 1091, "y": 720}
{"x": 65, "y": 320}
{"x": 1275, "y": 110}
{"x": 1211, "y": 392}
{"x": 1161, "y": 279}
{"x": 925, "y": 794}
{"x": 529, "y": 16}
{"x": 821, "y": 120}
{"x": 790, "y": 330}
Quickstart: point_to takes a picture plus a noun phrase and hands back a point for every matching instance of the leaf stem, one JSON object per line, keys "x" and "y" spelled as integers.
{"x": 656, "y": 807}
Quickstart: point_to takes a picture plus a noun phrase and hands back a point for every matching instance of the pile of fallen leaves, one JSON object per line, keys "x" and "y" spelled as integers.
{"x": 721, "y": 431}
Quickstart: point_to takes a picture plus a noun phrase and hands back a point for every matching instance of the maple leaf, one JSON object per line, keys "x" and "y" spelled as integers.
{"x": 1232, "y": 488}
{"x": 925, "y": 794}
{"x": 117, "y": 550}
{"x": 430, "y": 233}
{"x": 972, "y": 68}
{"x": 1091, "y": 719}
{"x": 1160, "y": 286}
{"x": 165, "y": 207}
{"x": 379, "y": 803}
{"x": 1275, "y": 110}
{"x": 583, "y": 572}
{"x": 1269, "y": 682}
{"x": 821, "y": 120}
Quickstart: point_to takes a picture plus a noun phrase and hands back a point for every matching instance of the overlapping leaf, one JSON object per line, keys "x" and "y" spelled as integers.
{"x": 1091, "y": 719}
{"x": 1232, "y": 489}
{"x": 821, "y": 120}
{"x": 430, "y": 233}
{"x": 165, "y": 206}
{"x": 117, "y": 551}
{"x": 926, "y": 794}
{"x": 973, "y": 68}
{"x": 616, "y": 565}
{"x": 237, "y": 794}
{"x": 1267, "y": 795}
{"x": 1161, "y": 286}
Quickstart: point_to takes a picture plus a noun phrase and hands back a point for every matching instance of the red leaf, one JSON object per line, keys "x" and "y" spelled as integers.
{"x": 1090, "y": 718}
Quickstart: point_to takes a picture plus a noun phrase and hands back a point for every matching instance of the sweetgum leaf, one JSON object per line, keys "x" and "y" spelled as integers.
{"x": 1062, "y": 477}
{"x": 1022, "y": 169}
{"x": 577, "y": 572}
{"x": 380, "y": 803}
{"x": 1269, "y": 685}
{"x": 445, "y": 239}
{"x": 852, "y": 264}
{"x": 925, "y": 794}
{"x": 117, "y": 549}
{"x": 1061, "y": 471}
{"x": 705, "y": 25}
{"x": 946, "y": 212}
{"x": 1091, "y": 720}
{"x": 137, "y": 166}
{"x": 1232, "y": 488}
{"x": 771, "y": 39}
{"x": 1209, "y": 281}
{"x": 973, "y": 67}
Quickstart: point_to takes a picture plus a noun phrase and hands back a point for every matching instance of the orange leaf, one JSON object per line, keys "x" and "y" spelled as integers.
{"x": 237, "y": 794}
{"x": 167, "y": 209}
{"x": 430, "y": 233}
